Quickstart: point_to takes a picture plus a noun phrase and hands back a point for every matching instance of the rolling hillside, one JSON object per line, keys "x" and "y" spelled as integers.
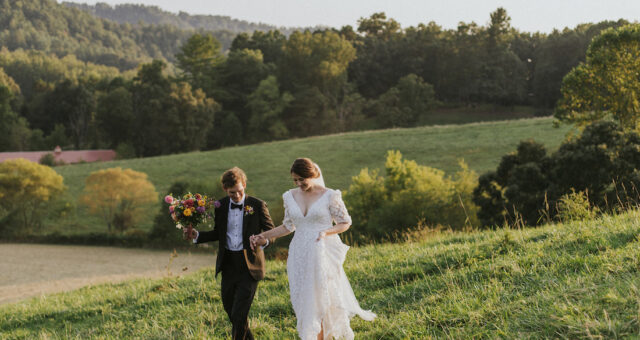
{"x": 340, "y": 156}
{"x": 573, "y": 280}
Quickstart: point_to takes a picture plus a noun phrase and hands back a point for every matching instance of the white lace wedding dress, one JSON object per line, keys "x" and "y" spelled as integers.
{"x": 320, "y": 290}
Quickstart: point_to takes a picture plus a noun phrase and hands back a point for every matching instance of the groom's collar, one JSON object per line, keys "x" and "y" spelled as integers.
{"x": 244, "y": 198}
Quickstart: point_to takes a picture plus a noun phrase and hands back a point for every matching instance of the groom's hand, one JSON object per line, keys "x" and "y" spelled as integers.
{"x": 257, "y": 241}
{"x": 187, "y": 236}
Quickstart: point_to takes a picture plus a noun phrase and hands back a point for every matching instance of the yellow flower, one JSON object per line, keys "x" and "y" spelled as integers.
{"x": 201, "y": 203}
{"x": 187, "y": 212}
{"x": 193, "y": 209}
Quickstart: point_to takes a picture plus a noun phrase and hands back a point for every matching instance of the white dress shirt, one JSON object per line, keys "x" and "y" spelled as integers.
{"x": 234, "y": 227}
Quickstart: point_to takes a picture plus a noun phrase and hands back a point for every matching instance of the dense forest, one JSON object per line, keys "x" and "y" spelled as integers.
{"x": 71, "y": 79}
{"x": 44, "y": 25}
{"x": 135, "y": 13}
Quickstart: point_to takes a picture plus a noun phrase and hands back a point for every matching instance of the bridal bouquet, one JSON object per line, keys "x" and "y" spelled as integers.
{"x": 189, "y": 210}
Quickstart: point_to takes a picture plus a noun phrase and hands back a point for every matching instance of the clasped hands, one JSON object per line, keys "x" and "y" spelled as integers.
{"x": 257, "y": 241}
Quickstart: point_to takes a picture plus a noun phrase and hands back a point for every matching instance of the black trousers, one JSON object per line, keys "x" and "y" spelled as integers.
{"x": 238, "y": 290}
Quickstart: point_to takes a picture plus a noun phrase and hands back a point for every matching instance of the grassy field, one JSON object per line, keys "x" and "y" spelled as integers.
{"x": 569, "y": 281}
{"x": 340, "y": 156}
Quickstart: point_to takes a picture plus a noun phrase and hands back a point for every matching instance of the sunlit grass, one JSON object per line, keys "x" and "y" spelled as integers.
{"x": 574, "y": 280}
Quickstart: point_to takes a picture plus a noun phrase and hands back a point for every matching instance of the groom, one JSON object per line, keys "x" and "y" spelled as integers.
{"x": 237, "y": 217}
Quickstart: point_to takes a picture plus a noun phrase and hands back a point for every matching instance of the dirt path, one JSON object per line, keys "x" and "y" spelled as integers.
{"x": 29, "y": 270}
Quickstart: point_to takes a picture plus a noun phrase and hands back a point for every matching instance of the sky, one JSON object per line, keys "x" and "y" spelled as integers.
{"x": 529, "y": 16}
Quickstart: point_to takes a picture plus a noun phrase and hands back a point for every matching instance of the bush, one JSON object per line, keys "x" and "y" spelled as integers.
{"x": 125, "y": 151}
{"x": 50, "y": 160}
{"x": 119, "y": 196}
{"x": 575, "y": 206}
{"x": 410, "y": 194}
{"x": 26, "y": 188}
{"x": 603, "y": 161}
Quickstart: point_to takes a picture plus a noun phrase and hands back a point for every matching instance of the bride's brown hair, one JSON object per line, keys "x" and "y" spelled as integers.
{"x": 305, "y": 168}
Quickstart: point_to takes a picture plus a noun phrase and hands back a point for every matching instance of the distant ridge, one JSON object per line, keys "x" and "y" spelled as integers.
{"x": 135, "y": 13}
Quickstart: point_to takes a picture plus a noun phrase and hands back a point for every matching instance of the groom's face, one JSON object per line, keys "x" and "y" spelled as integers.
{"x": 236, "y": 192}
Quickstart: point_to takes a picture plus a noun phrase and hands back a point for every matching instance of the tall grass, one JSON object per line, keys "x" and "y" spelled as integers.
{"x": 572, "y": 280}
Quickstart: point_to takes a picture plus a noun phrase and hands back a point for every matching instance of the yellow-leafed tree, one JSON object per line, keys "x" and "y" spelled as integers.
{"x": 25, "y": 189}
{"x": 120, "y": 197}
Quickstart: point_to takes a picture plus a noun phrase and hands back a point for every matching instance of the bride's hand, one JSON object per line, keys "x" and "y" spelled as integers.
{"x": 321, "y": 235}
{"x": 257, "y": 241}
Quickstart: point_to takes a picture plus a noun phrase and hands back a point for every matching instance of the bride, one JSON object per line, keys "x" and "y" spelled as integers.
{"x": 321, "y": 295}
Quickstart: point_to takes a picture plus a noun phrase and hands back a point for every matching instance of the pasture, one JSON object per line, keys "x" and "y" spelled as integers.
{"x": 341, "y": 156}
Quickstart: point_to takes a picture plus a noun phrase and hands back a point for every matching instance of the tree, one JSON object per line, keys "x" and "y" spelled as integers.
{"x": 602, "y": 164}
{"x": 120, "y": 197}
{"x": 241, "y": 74}
{"x": 313, "y": 70}
{"x": 198, "y": 59}
{"x": 315, "y": 60}
{"x": 403, "y": 104}
{"x": 516, "y": 189}
{"x": 607, "y": 84}
{"x": 25, "y": 190}
{"x": 269, "y": 43}
{"x": 266, "y": 105}
{"x": 378, "y": 26}
{"x": 115, "y": 116}
{"x": 170, "y": 117}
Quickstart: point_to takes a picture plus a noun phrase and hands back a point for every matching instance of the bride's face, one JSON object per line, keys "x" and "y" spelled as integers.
{"x": 303, "y": 183}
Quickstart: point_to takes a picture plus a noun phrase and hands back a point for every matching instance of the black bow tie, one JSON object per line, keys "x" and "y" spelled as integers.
{"x": 236, "y": 206}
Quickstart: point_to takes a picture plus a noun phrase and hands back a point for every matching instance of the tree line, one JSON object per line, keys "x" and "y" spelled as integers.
{"x": 271, "y": 86}
{"x": 136, "y": 13}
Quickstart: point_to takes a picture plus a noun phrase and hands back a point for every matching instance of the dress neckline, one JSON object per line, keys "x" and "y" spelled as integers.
{"x": 311, "y": 205}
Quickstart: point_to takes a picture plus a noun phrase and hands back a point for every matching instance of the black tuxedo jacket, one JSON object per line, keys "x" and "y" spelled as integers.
{"x": 252, "y": 223}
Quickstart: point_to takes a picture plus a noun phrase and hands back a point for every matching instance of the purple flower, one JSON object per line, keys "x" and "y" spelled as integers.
{"x": 200, "y": 210}
{"x": 216, "y": 204}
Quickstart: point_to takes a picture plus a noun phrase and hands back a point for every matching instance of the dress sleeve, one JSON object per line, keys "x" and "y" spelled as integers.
{"x": 287, "y": 221}
{"x": 337, "y": 208}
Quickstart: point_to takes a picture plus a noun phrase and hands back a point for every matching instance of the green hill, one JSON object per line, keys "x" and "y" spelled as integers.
{"x": 574, "y": 280}
{"x": 135, "y": 13}
{"x": 45, "y": 25}
{"x": 340, "y": 156}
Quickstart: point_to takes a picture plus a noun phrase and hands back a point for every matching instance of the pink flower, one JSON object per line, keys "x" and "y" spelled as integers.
{"x": 168, "y": 199}
{"x": 216, "y": 204}
{"x": 171, "y": 208}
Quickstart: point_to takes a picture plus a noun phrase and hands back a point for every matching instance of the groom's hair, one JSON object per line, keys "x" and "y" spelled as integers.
{"x": 232, "y": 177}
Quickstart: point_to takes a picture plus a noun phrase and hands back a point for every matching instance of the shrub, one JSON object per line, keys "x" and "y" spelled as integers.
{"x": 125, "y": 151}
{"x": 603, "y": 161}
{"x": 26, "y": 188}
{"x": 409, "y": 194}
{"x": 119, "y": 196}
{"x": 50, "y": 160}
{"x": 575, "y": 206}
